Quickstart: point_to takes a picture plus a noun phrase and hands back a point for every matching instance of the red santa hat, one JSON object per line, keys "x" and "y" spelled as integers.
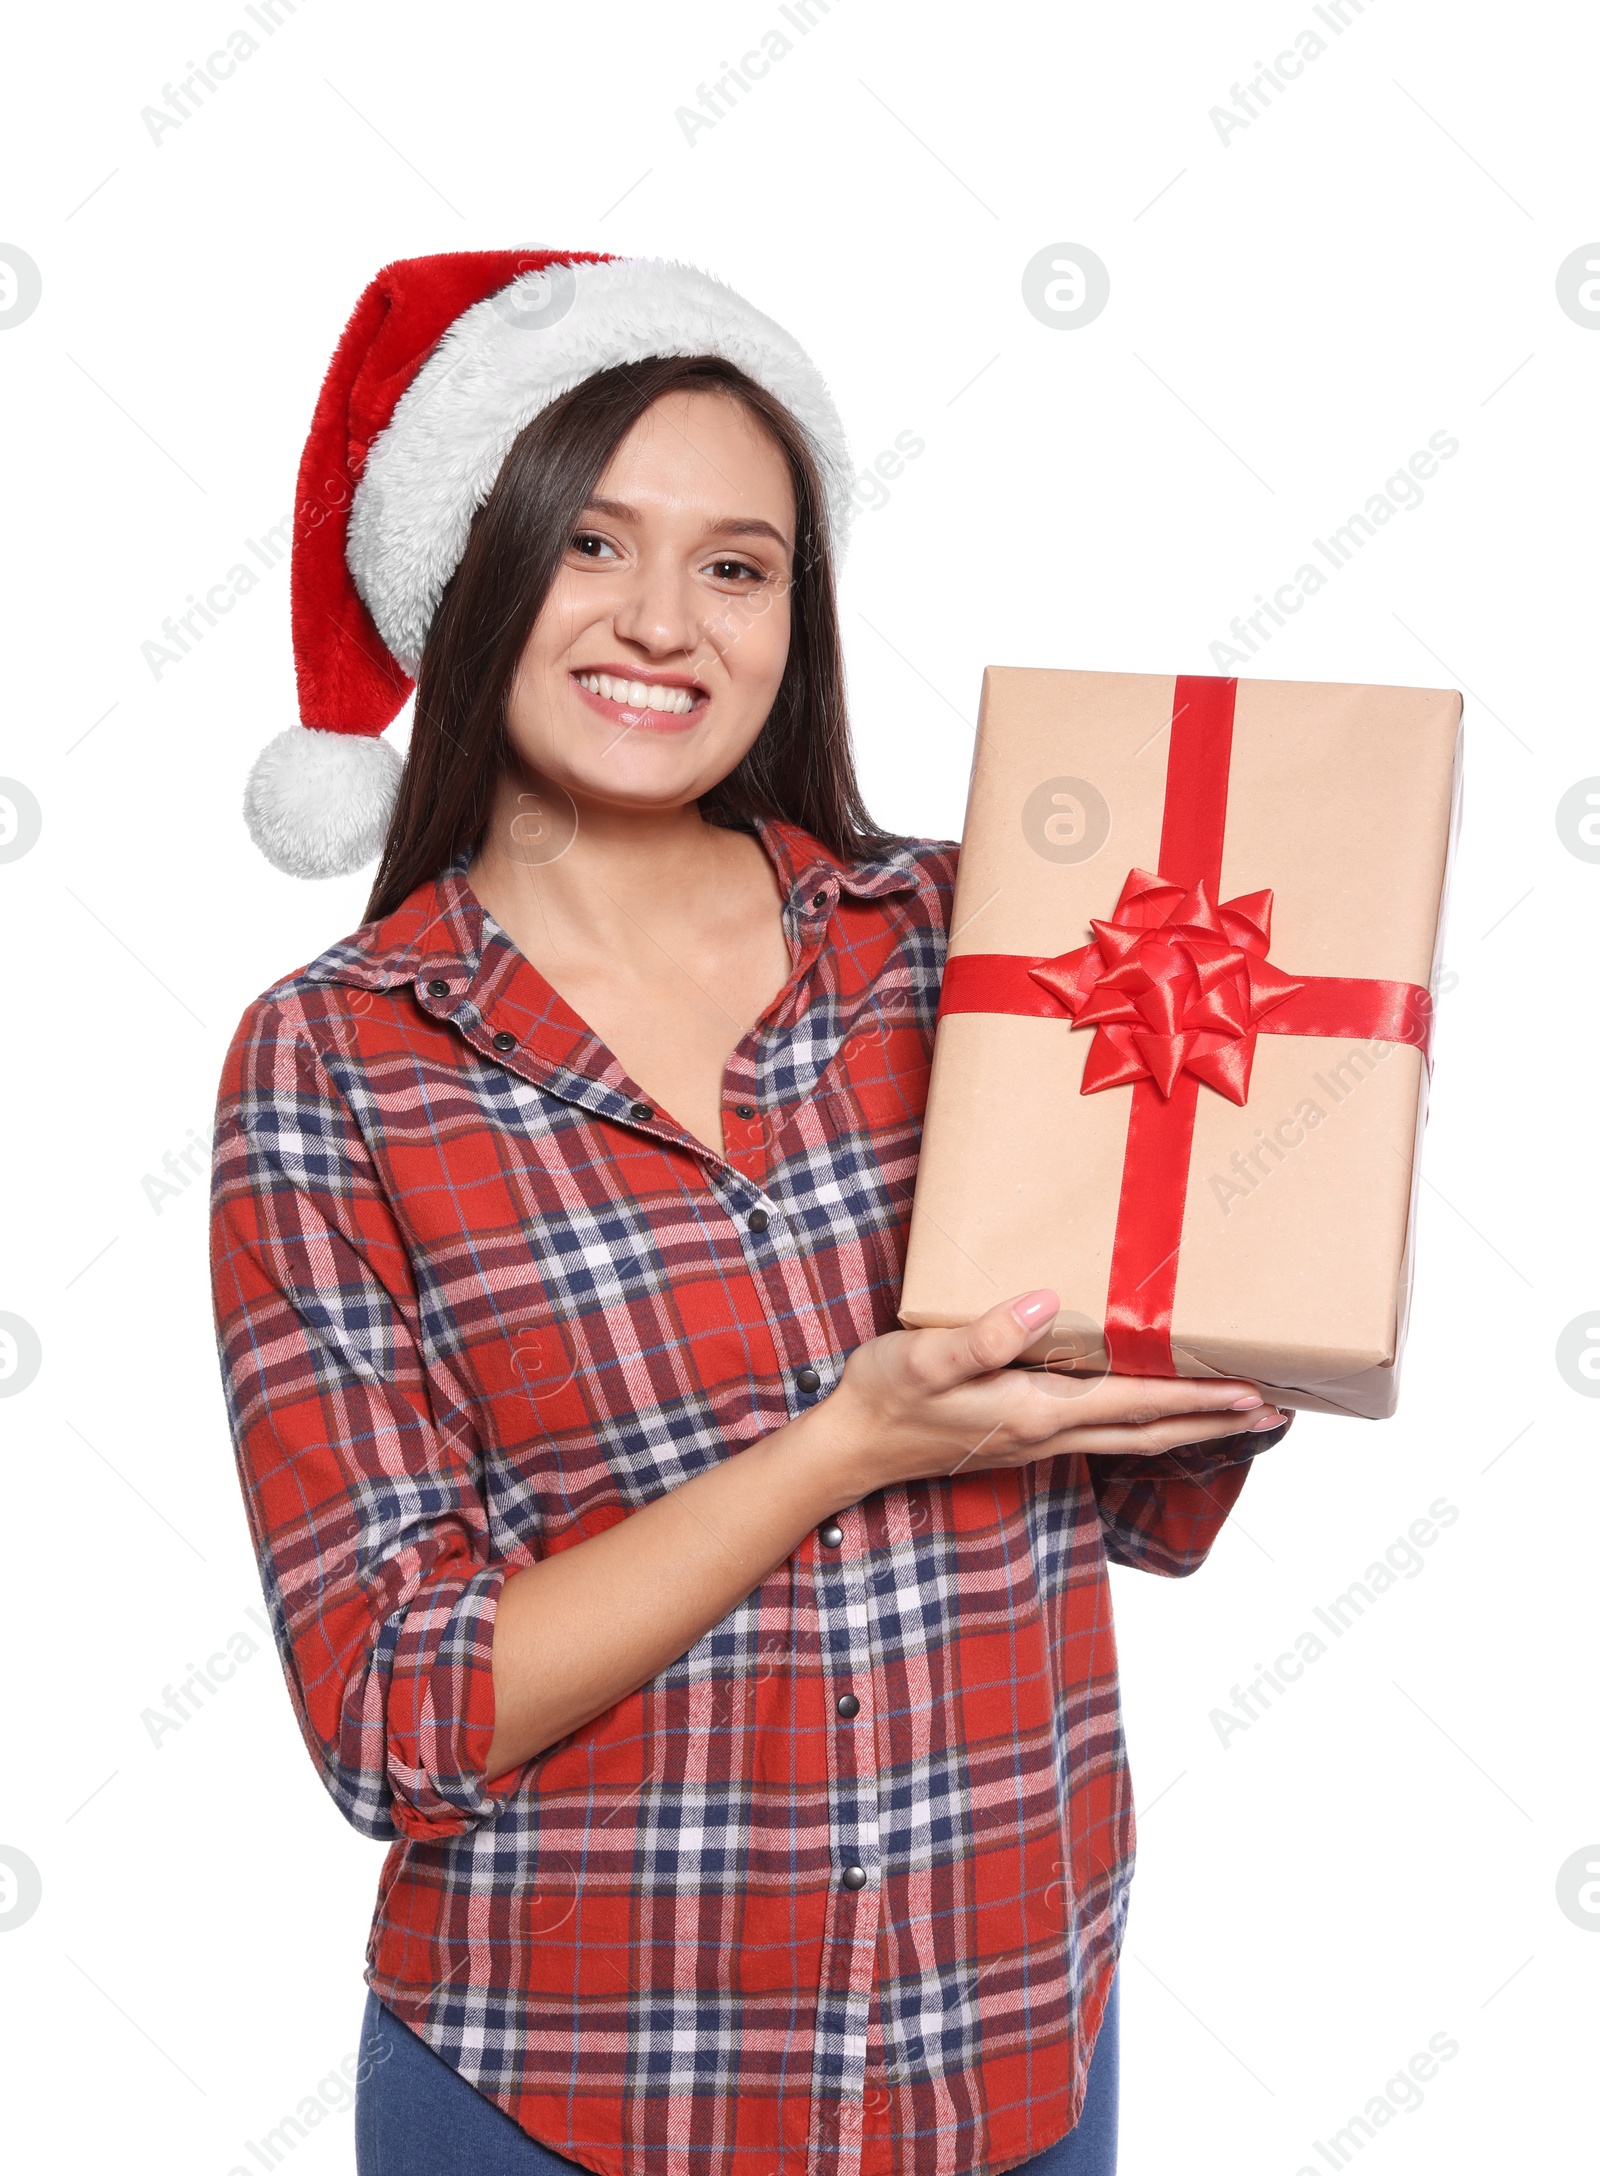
{"x": 443, "y": 362}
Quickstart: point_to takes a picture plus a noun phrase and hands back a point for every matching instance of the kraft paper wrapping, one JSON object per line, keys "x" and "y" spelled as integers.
{"x": 1297, "y": 1232}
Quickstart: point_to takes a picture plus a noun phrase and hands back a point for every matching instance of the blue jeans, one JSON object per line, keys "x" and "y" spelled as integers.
{"x": 415, "y": 2116}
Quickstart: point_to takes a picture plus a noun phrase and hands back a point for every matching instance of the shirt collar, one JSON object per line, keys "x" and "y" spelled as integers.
{"x": 805, "y": 866}
{"x": 439, "y": 930}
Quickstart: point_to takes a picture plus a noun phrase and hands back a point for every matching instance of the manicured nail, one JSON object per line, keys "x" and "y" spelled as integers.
{"x": 1034, "y": 1308}
{"x": 1243, "y": 1405}
{"x": 1271, "y": 1418}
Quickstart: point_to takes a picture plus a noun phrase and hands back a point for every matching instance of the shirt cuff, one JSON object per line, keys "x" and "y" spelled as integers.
{"x": 441, "y": 1710}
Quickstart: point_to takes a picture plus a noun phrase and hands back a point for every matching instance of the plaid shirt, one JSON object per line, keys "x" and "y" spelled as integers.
{"x": 476, "y": 1300}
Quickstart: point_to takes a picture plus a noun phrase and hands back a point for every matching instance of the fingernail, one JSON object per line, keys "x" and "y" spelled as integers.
{"x": 1271, "y": 1418}
{"x": 1243, "y": 1405}
{"x": 1034, "y": 1308}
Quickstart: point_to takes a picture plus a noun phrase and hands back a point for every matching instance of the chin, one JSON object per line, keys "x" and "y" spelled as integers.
{"x": 641, "y": 767}
{"x": 642, "y": 786}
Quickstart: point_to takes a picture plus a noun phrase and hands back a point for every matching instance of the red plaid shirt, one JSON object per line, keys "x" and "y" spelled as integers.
{"x": 477, "y": 1300}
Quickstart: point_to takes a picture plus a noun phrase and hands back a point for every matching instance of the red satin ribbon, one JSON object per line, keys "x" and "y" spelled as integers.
{"x": 1176, "y": 988}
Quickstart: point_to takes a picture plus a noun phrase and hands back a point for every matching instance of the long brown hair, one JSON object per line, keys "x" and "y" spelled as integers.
{"x": 800, "y": 766}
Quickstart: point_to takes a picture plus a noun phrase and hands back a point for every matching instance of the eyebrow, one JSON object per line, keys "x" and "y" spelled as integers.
{"x": 619, "y": 510}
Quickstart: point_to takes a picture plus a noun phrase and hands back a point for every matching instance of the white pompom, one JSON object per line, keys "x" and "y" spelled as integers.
{"x": 318, "y": 803}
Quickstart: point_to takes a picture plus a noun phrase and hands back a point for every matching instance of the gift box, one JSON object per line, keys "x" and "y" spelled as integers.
{"x": 1184, "y": 1040}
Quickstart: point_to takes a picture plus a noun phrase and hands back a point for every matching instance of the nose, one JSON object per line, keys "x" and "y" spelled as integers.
{"x": 659, "y": 611}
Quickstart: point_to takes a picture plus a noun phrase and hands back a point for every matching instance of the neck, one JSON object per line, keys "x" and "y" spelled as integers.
{"x": 590, "y": 873}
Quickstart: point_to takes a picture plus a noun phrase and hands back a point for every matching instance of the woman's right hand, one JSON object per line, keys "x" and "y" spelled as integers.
{"x": 927, "y": 1404}
{"x": 581, "y": 1627}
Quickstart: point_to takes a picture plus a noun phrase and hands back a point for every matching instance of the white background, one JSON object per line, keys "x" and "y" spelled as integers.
{"x": 1292, "y": 313}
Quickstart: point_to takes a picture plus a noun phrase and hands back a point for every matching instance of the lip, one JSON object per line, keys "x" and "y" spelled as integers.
{"x": 654, "y": 679}
{"x": 644, "y": 721}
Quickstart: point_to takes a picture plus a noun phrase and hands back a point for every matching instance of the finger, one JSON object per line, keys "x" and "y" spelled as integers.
{"x": 999, "y": 1336}
{"x": 1185, "y": 1432}
{"x": 1126, "y": 1440}
{"x": 1138, "y": 1399}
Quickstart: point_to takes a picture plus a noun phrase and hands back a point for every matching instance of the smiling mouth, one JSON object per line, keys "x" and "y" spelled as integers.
{"x": 658, "y": 705}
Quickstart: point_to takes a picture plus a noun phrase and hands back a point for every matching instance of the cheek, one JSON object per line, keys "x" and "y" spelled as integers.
{"x": 574, "y": 602}
{"x": 567, "y": 613}
{"x": 753, "y": 638}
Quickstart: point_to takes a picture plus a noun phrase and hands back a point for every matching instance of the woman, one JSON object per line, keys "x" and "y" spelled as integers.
{"x": 732, "y": 1672}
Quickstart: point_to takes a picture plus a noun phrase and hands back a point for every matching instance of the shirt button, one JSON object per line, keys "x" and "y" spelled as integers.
{"x": 503, "y": 1041}
{"x": 808, "y": 1380}
{"x": 819, "y": 899}
{"x": 758, "y": 1220}
{"x": 438, "y": 989}
{"x": 744, "y": 1110}
{"x": 848, "y": 1705}
{"x": 830, "y": 1535}
{"x": 641, "y": 1111}
{"x": 854, "y": 1877}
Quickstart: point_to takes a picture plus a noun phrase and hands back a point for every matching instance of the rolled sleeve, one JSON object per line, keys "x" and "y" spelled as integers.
{"x": 1163, "y": 1514}
{"x": 359, "y": 1467}
{"x": 428, "y": 1702}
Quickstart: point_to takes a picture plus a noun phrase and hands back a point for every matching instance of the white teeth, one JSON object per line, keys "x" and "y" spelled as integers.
{"x": 638, "y": 694}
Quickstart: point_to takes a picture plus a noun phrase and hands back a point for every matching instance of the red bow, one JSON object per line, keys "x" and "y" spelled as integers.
{"x": 1173, "y": 982}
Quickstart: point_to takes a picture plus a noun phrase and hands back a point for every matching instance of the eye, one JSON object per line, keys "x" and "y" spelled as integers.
{"x": 736, "y": 570}
{"x": 588, "y": 545}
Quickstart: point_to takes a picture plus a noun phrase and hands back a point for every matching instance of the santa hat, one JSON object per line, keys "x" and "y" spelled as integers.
{"x": 443, "y": 362}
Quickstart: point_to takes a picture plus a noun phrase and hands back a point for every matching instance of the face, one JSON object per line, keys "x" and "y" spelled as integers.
{"x": 660, "y": 648}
